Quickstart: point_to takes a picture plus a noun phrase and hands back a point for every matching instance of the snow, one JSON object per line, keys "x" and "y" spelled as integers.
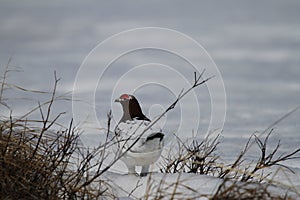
{"x": 137, "y": 187}
{"x": 186, "y": 185}
{"x": 190, "y": 185}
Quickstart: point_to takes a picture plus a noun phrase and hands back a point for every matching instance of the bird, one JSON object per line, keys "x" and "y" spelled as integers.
{"x": 139, "y": 147}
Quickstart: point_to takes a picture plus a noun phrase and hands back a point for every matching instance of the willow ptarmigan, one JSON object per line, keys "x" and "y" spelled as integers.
{"x": 148, "y": 147}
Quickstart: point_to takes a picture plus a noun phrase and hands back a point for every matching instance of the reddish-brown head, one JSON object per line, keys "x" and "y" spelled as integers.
{"x": 124, "y": 97}
{"x": 131, "y": 108}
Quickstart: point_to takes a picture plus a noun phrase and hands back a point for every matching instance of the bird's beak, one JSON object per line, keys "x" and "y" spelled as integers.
{"x": 118, "y": 100}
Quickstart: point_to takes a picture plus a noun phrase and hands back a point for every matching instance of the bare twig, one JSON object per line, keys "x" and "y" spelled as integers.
{"x": 46, "y": 126}
{"x": 4, "y": 78}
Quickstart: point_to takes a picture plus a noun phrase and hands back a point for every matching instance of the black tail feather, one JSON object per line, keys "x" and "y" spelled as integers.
{"x": 155, "y": 135}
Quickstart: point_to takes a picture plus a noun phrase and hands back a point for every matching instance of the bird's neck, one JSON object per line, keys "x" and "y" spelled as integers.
{"x": 126, "y": 114}
{"x": 132, "y": 110}
{"x": 135, "y": 110}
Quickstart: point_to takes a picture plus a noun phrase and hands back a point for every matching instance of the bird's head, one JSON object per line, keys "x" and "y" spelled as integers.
{"x": 131, "y": 108}
{"x": 124, "y": 98}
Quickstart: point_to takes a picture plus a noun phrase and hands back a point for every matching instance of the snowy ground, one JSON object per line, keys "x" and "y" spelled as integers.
{"x": 188, "y": 185}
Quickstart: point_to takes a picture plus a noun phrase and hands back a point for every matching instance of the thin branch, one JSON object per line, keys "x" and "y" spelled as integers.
{"x": 4, "y": 78}
{"x": 46, "y": 120}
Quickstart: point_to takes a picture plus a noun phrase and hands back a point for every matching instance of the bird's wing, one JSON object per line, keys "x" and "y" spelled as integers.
{"x": 131, "y": 128}
{"x": 129, "y": 131}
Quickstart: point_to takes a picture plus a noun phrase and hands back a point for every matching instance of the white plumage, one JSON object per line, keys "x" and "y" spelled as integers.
{"x": 140, "y": 148}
